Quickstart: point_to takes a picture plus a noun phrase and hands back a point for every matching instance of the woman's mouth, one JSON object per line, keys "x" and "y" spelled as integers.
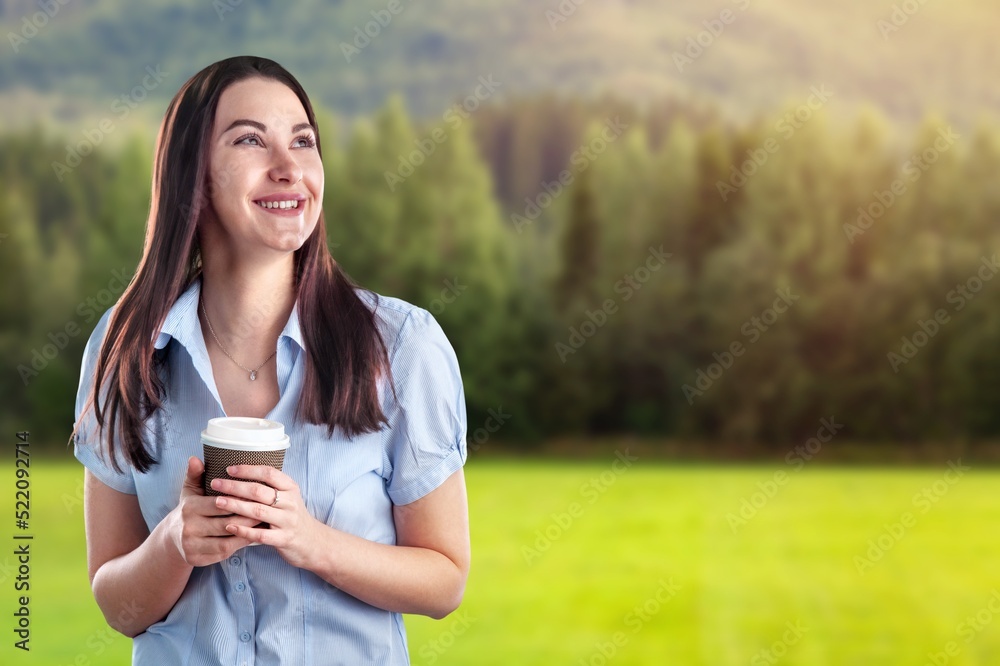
{"x": 282, "y": 205}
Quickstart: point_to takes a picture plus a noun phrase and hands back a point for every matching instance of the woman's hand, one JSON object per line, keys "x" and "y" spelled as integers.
{"x": 197, "y": 527}
{"x": 293, "y": 530}
{"x": 423, "y": 572}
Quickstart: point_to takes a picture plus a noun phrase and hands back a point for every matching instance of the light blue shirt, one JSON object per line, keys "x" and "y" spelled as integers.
{"x": 255, "y": 608}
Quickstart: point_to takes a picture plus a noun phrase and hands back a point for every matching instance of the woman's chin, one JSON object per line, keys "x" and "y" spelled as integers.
{"x": 288, "y": 239}
{"x": 286, "y": 245}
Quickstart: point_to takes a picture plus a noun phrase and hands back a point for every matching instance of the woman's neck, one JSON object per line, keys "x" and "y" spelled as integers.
{"x": 248, "y": 306}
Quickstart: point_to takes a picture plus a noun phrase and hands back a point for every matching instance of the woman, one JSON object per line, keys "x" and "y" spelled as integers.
{"x": 238, "y": 309}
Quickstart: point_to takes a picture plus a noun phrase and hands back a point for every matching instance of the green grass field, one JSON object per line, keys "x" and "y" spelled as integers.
{"x": 575, "y": 563}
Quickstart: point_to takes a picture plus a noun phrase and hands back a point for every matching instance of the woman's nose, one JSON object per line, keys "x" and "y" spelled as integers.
{"x": 285, "y": 169}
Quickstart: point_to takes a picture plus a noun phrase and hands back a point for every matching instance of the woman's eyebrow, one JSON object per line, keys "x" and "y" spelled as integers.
{"x": 261, "y": 127}
{"x": 244, "y": 121}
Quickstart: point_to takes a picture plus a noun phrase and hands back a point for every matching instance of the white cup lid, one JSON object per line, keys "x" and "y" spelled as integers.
{"x": 245, "y": 434}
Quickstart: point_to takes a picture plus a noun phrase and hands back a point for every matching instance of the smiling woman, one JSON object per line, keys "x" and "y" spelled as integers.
{"x": 368, "y": 518}
{"x": 275, "y": 175}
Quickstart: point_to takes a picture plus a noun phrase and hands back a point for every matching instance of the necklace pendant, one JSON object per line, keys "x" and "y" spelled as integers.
{"x": 253, "y": 375}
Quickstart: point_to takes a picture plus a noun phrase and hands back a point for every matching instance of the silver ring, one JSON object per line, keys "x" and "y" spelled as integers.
{"x": 275, "y": 498}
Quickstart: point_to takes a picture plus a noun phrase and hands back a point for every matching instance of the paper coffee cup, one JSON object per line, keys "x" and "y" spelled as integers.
{"x": 240, "y": 440}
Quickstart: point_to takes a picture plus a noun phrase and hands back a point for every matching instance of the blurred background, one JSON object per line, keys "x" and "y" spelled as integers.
{"x": 719, "y": 276}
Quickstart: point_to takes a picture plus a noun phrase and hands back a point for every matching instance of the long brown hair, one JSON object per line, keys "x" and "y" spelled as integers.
{"x": 339, "y": 331}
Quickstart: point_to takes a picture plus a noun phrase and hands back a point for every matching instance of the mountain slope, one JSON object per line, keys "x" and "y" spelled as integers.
{"x": 766, "y": 53}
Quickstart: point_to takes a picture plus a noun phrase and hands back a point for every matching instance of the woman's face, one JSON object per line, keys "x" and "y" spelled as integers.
{"x": 265, "y": 175}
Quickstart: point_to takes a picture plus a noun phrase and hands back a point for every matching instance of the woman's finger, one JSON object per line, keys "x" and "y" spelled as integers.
{"x": 245, "y": 490}
{"x": 206, "y": 507}
{"x": 255, "y": 535}
{"x": 263, "y": 474}
{"x": 219, "y": 524}
{"x": 256, "y": 510}
{"x": 215, "y": 526}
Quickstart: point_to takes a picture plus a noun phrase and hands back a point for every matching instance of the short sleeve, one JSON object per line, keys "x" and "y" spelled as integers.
{"x": 87, "y": 445}
{"x": 425, "y": 438}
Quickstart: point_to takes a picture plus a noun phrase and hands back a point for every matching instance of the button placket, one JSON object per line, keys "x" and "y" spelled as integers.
{"x": 237, "y": 571}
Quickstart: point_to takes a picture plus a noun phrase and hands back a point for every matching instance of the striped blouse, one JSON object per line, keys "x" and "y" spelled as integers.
{"x": 255, "y": 608}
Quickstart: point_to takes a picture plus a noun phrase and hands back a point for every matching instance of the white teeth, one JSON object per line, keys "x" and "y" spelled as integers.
{"x": 278, "y": 204}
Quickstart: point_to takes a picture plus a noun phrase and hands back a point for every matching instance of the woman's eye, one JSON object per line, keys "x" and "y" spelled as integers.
{"x": 249, "y": 137}
{"x": 305, "y": 142}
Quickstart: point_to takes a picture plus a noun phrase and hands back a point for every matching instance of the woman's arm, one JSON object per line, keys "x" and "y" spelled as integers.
{"x": 138, "y": 576}
{"x": 424, "y": 573}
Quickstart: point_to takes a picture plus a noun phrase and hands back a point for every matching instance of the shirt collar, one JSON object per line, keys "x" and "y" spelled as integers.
{"x": 182, "y": 322}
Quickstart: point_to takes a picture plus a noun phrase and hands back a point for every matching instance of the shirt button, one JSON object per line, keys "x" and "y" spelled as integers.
{"x": 240, "y": 587}
{"x": 235, "y": 561}
{"x": 245, "y": 636}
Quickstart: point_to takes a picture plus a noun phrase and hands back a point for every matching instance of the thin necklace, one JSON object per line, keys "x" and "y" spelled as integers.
{"x": 253, "y": 373}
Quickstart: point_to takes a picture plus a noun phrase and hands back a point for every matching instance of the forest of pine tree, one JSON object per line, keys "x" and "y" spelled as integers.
{"x": 681, "y": 278}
